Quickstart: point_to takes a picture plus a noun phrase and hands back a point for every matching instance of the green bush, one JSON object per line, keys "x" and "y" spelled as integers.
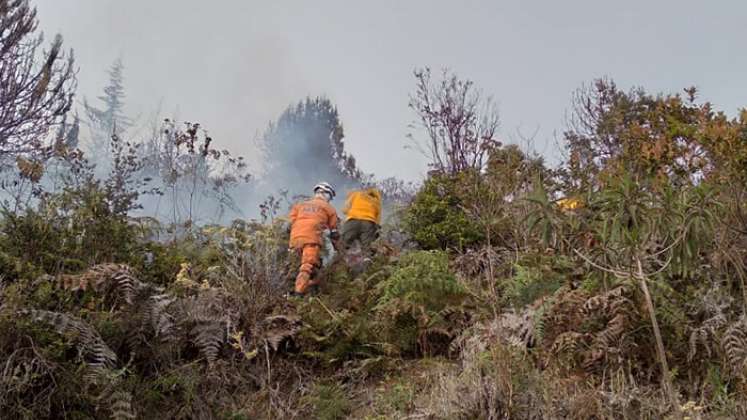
{"x": 414, "y": 298}
{"x": 535, "y": 276}
{"x": 422, "y": 279}
{"x": 67, "y": 232}
{"x": 436, "y": 219}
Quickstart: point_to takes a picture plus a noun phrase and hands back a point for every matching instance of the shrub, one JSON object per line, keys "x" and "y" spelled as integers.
{"x": 67, "y": 232}
{"x": 535, "y": 276}
{"x": 329, "y": 401}
{"x": 436, "y": 218}
{"x": 417, "y": 299}
{"x": 422, "y": 279}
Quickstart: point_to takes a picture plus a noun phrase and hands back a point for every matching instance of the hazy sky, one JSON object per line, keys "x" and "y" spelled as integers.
{"x": 234, "y": 65}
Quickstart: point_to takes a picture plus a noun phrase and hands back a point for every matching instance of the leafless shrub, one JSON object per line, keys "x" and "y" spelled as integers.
{"x": 460, "y": 122}
{"x": 194, "y": 175}
{"x": 35, "y": 95}
{"x": 17, "y": 378}
{"x": 258, "y": 263}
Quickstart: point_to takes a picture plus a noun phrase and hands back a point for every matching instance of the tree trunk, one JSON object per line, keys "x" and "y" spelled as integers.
{"x": 666, "y": 379}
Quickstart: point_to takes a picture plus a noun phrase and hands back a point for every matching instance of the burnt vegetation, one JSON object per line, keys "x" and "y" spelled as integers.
{"x": 609, "y": 287}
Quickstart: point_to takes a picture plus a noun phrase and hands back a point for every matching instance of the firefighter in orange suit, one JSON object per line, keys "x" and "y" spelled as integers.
{"x": 309, "y": 219}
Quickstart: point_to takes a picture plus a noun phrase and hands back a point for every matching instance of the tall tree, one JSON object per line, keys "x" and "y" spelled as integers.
{"x": 68, "y": 133}
{"x": 109, "y": 120}
{"x": 306, "y": 145}
{"x": 36, "y": 89}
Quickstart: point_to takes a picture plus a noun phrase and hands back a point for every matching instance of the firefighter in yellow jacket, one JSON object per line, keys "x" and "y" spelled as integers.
{"x": 569, "y": 204}
{"x": 363, "y": 211}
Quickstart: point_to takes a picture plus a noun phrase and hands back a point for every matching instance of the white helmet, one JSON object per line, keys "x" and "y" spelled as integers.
{"x": 325, "y": 187}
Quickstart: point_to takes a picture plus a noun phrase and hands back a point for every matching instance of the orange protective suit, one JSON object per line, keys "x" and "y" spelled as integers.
{"x": 309, "y": 219}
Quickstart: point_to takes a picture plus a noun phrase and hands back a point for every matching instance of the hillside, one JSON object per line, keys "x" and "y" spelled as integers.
{"x": 148, "y": 275}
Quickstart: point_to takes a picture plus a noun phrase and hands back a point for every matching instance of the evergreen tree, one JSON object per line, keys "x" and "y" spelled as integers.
{"x": 68, "y": 134}
{"x": 110, "y": 119}
{"x": 306, "y": 145}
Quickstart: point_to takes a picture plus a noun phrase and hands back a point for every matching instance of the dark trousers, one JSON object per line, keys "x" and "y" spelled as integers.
{"x": 359, "y": 230}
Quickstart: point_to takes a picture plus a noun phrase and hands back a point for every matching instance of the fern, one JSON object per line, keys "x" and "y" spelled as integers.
{"x": 734, "y": 342}
{"x": 589, "y": 328}
{"x": 209, "y": 337}
{"x": 160, "y": 320}
{"x": 614, "y": 330}
{"x": 714, "y": 306}
{"x": 435, "y": 340}
{"x": 454, "y": 317}
{"x": 99, "y": 358}
{"x": 121, "y": 406}
{"x": 89, "y": 342}
{"x": 618, "y": 312}
{"x": 530, "y": 284}
{"x": 417, "y": 297}
{"x": 125, "y": 283}
{"x": 208, "y": 332}
{"x": 422, "y": 278}
{"x": 208, "y": 317}
{"x": 145, "y": 311}
{"x": 568, "y": 342}
{"x": 538, "y": 321}
{"x": 564, "y": 314}
{"x": 517, "y": 329}
{"x": 147, "y": 318}
{"x": 279, "y": 329}
{"x": 118, "y": 280}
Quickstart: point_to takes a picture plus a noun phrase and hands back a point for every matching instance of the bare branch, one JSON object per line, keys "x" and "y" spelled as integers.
{"x": 34, "y": 94}
{"x": 460, "y": 123}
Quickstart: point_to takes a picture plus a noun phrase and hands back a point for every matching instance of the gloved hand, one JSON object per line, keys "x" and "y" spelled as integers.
{"x": 334, "y": 237}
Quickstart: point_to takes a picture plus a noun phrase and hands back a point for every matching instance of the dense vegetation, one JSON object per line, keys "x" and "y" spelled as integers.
{"x": 486, "y": 297}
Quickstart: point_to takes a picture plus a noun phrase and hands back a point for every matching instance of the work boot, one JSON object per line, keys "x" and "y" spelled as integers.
{"x": 302, "y": 281}
{"x": 294, "y": 295}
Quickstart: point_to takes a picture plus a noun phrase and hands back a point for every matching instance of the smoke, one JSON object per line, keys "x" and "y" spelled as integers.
{"x": 304, "y": 146}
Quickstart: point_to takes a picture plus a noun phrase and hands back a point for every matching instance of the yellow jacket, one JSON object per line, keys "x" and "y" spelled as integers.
{"x": 566, "y": 204}
{"x": 364, "y": 205}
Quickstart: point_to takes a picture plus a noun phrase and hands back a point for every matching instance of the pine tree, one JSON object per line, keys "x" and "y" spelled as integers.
{"x": 69, "y": 134}
{"x": 306, "y": 145}
{"x": 110, "y": 119}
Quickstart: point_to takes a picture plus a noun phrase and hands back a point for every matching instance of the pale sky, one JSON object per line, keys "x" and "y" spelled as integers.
{"x": 234, "y": 65}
